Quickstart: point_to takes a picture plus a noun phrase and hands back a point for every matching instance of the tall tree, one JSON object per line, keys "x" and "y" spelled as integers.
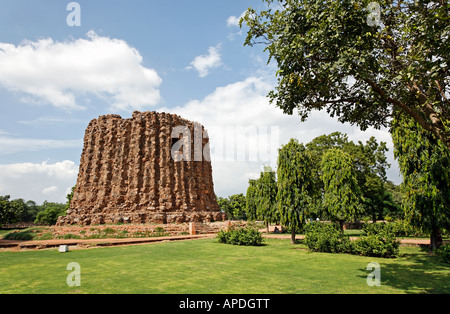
{"x": 266, "y": 195}
{"x": 359, "y": 60}
{"x": 295, "y": 185}
{"x": 425, "y": 166}
{"x": 237, "y": 206}
{"x": 341, "y": 191}
{"x": 370, "y": 164}
{"x": 251, "y": 200}
{"x": 6, "y": 214}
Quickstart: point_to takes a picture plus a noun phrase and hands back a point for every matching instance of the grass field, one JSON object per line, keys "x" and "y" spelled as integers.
{"x": 208, "y": 267}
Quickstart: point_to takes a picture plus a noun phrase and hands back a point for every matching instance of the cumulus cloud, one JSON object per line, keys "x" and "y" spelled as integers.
{"x": 38, "y": 182}
{"x": 204, "y": 63}
{"x": 57, "y": 73}
{"x": 50, "y": 190}
{"x": 246, "y": 131}
{"x": 233, "y": 21}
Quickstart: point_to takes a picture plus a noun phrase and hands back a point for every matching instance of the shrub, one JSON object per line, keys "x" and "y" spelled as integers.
{"x": 400, "y": 228}
{"x": 376, "y": 246}
{"x": 160, "y": 230}
{"x": 444, "y": 253}
{"x": 327, "y": 238}
{"x": 240, "y": 236}
{"x": 379, "y": 242}
{"x": 25, "y": 235}
{"x": 49, "y": 215}
{"x": 109, "y": 230}
{"x": 70, "y": 236}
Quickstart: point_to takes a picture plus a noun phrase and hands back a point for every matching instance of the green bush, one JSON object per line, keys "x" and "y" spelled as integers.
{"x": 376, "y": 245}
{"x": 109, "y": 230}
{"x": 240, "y": 236}
{"x": 379, "y": 242}
{"x": 400, "y": 228}
{"x": 50, "y": 215}
{"x": 25, "y": 235}
{"x": 444, "y": 253}
{"x": 327, "y": 238}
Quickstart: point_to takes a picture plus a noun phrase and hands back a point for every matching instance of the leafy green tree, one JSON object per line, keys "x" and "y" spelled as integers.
{"x": 370, "y": 164}
{"x": 6, "y": 215}
{"x": 49, "y": 212}
{"x": 12, "y": 211}
{"x": 341, "y": 191}
{"x": 425, "y": 166}
{"x": 49, "y": 215}
{"x": 238, "y": 205}
{"x": 224, "y": 205}
{"x": 267, "y": 209}
{"x": 396, "y": 195}
{"x": 251, "y": 208}
{"x": 359, "y": 60}
{"x": 234, "y": 206}
{"x": 20, "y": 210}
{"x": 70, "y": 196}
{"x": 295, "y": 186}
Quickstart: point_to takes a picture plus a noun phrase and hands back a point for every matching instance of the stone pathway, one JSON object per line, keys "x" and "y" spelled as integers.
{"x": 11, "y": 245}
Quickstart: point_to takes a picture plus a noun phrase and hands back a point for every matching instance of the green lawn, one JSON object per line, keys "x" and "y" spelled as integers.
{"x": 207, "y": 267}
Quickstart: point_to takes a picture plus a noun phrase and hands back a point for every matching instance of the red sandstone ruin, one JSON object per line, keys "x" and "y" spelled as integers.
{"x": 129, "y": 173}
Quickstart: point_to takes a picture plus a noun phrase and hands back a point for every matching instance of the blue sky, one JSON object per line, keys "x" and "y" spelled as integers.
{"x": 184, "y": 57}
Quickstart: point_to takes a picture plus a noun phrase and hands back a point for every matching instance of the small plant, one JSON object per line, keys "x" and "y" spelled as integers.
{"x": 45, "y": 236}
{"x": 241, "y": 236}
{"x": 109, "y": 231}
{"x": 71, "y": 236}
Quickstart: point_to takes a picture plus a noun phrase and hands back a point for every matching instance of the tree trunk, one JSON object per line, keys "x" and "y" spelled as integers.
{"x": 341, "y": 226}
{"x": 293, "y": 236}
{"x": 267, "y": 226}
{"x": 435, "y": 239}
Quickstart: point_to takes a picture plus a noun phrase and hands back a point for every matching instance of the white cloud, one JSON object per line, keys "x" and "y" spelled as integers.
{"x": 50, "y": 121}
{"x": 233, "y": 21}
{"x": 243, "y": 105}
{"x": 58, "y": 72}
{"x": 50, "y": 190}
{"x": 204, "y": 63}
{"x": 11, "y": 145}
{"x": 38, "y": 182}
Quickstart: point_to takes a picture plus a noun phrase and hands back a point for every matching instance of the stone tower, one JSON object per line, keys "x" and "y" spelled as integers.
{"x": 136, "y": 171}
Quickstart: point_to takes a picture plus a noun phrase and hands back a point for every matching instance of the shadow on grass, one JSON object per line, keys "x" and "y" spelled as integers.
{"x": 416, "y": 273}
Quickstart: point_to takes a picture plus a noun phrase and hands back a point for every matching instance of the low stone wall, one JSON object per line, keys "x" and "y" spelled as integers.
{"x": 135, "y": 230}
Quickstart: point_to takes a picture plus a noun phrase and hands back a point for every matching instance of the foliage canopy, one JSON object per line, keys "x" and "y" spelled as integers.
{"x": 361, "y": 63}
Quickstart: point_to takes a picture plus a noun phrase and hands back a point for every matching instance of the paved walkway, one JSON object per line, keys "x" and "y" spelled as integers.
{"x": 86, "y": 243}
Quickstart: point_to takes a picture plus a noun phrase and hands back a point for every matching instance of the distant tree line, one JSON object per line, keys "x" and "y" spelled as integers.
{"x": 330, "y": 178}
{"x": 19, "y": 210}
